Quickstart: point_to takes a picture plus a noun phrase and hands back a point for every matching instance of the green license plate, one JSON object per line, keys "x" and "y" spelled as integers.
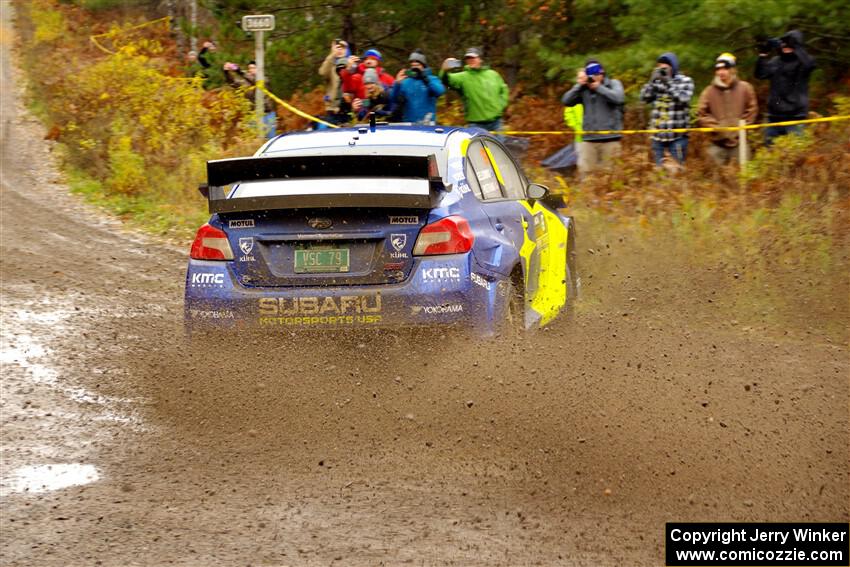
{"x": 321, "y": 260}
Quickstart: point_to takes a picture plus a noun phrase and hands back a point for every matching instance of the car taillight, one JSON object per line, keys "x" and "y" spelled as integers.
{"x": 211, "y": 244}
{"x": 450, "y": 235}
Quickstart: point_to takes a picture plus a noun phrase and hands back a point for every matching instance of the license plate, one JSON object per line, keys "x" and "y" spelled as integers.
{"x": 321, "y": 260}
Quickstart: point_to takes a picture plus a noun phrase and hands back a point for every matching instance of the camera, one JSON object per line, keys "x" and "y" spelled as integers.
{"x": 663, "y": 72}
{"x": 769, "y": 44}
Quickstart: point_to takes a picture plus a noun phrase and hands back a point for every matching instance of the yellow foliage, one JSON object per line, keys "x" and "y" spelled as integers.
{"x": 49, "y": 24}
{"x": 144, "y": 119}
{"x": 127, "y": 168}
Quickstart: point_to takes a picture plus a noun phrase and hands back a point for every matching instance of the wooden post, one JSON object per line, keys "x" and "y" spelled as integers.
{"x": 260, "y": 78}
{"x": 742, "y": 144}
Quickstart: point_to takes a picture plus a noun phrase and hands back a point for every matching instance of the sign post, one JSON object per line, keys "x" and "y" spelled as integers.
{"x": 257, "y": 25}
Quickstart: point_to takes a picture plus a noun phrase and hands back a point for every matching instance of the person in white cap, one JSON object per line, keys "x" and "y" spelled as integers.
{"x": 725, "y": 102}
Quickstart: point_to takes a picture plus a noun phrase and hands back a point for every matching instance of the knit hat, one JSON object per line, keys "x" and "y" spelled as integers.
{"x": 370, "y": 76}
{"x": 419, "y": 57}
{"x": 725, "y": 60}
{"x": 593, "y": 68}
{"x": 373, "y": 53}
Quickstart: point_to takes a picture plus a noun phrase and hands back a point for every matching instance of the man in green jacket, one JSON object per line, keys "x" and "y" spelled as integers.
{"x": 483, "y": 90}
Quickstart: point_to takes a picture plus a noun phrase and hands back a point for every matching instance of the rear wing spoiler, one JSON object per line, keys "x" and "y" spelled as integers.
{"x": 399, "y": 182}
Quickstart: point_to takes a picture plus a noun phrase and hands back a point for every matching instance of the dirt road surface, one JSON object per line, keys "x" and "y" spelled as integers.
{"x": 121, "y": 446}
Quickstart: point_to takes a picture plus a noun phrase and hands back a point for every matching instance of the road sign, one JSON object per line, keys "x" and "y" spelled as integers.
{"x": 258, "y": 23}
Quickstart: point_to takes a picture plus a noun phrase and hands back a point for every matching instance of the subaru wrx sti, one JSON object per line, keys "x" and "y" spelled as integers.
{"x": 379, "y": 226}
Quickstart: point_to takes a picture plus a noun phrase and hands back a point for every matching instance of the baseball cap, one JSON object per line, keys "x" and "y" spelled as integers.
{"x": 727, "y": 60}
{"x": 594, "y": 68}
{"x": 472, "y": 52}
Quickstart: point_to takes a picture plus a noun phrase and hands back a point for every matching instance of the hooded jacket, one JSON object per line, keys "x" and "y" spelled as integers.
{"x": 725, "y": 105}
{"x": 418, "y": 96}
{"x": 671, "y": 102}
{"x": 789, "y": 79}
{"x": 483, "y": 90}
{"x": 603, "y": 108}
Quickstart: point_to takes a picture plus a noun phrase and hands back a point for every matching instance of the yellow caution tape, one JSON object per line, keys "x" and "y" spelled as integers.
{"x": 676, "y": 130}
{"x": 261, "y": 85}
{"x": 94, "y": 40}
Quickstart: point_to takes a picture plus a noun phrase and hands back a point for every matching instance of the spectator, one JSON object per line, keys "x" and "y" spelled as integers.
{"x": 247, "y": 79}
{"x": 789, "y": 73}
{"x": 483, "y": 90}
{"x": 669, "y": 92}
{"x": 416, "y": 91}
{"x": 603, "y": 99}
{"x": 208, "y": 59}
{"x": 573, "y": 118}
{"x": 724, "y": 102}
{"x": 376, "y": 98}
{"x": 328, "y": 70}
{"x": 352, "y": 76}
{"x": 372, "y": 60}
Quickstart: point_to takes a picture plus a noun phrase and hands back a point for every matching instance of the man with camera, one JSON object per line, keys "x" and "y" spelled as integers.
{"x": 483, "y": 90}
{"x": 669, "y": 92}
{"x": 416, "y": 91}
{"x": 246, "y": 80}
{"x": 329, "y": 70}
{"x": 603, "y": 99}
{"x": 789, "y": 73}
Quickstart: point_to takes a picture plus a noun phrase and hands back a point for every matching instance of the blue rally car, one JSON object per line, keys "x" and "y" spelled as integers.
{"x": 379, "y": 226}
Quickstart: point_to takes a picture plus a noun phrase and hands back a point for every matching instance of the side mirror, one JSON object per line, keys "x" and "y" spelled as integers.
{"x": 204, "y": 190}
{"x": 536, "y": 191}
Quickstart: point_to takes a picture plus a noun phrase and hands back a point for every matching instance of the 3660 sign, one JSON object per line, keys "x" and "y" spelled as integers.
{"x": 263, "y": 22}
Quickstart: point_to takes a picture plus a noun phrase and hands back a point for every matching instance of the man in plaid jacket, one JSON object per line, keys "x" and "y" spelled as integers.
{"x": 670, "y": 94}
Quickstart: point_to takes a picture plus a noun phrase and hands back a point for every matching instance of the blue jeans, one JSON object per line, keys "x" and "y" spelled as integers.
{"x": 677, "y": 148}
{"x": 490, "y": 126}
{"x": 270, "y": 125}
{"x": 772, "y": 132}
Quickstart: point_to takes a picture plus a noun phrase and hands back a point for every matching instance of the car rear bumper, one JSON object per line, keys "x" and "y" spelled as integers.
{"x": 440, "y": 291}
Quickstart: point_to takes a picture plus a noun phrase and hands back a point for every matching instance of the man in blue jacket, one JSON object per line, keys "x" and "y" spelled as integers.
{"x": 416, "y": 91}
